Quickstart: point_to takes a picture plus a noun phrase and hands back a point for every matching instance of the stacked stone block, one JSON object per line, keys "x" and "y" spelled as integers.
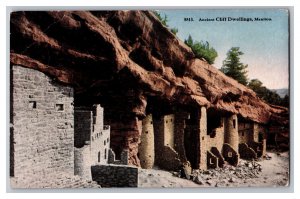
{"x": 42, "y": 125}
{"x": 180, "y": 125}
{"x": 92, "y": 139}
{"x": 55, "y": 181}
{"x": 202, "y": 139}
{"x": 231, "y": 132}
{"x": 246, "y": 152}
{"x": 212, "y": 161}
{"x": 115, "y": 175}
{"x": 112, "y": 157}
{"x": 165, "y": 155}
{"x": 82, "y": 127}
{"x": 249, "y": 133}
{"x": 146, "y": 147}
{"x": 83, "y": 161}
{"x": 100, "y": 138}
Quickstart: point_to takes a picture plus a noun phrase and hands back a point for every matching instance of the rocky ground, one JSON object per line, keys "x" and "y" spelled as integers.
{"x": 270, "y": 172}
{"x": 273, "y": 171}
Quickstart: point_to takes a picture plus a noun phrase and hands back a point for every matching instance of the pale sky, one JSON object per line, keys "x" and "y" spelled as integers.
{"x": 264, "y": 43}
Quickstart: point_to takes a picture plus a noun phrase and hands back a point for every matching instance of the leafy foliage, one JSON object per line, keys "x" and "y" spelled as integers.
{"x": 174, "y": 30}
{"x": 232, "y": 66}
{"x": 269, "y": 96}
{"x": 162, "y": 19}
{"x": 202, "y": 49}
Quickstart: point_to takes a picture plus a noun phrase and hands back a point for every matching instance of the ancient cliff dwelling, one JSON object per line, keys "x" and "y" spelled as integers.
{"x": 95, "y": 92}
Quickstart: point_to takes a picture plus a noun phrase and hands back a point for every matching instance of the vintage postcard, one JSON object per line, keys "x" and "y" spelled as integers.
{"x": 149, "y": 98}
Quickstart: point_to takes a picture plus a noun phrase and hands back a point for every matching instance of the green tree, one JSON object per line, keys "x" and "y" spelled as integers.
{"x": 162, "y": 19}
{"x": 268, "y": 95}
{"x": 285, "y": 101}
{"x": 257, "y": 86}
{"x": 202, "y": 49}
{"x": 232, "y": 66}
{"x": 174, "y": 30}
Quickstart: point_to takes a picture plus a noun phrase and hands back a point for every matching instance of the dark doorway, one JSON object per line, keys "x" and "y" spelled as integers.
{"x": 191, "y": 139}
{"x": 271, "y": 140}
{"x": 260, "y": 137}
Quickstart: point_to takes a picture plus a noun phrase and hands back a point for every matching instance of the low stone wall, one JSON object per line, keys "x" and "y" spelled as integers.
{"x": 212, "y": 161}
{"x": 112, "y": 157}
{"x": 169, "y": 159}
{"x": 216, "y": 152}
{"x": 257, "y": 147}
{"x": 230, "y": 155}
{"x": 115, "y": 175}
{"x": 246, "y": 152}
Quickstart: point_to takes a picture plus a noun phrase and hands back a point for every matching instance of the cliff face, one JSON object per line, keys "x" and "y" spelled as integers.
{"x": 129, "y": 62}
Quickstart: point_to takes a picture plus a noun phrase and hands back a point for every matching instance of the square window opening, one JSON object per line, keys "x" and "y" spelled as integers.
{"x": 59, "y": 107}
{"x": 32, "y": 104}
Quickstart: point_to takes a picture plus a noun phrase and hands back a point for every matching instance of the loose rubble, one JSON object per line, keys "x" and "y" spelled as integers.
{"x": 272, "y": 171}
{"x": 228, "y": 175}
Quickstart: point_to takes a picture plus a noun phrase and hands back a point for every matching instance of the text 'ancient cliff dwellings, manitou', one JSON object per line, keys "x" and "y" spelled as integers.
{"x": 161, "y": 106}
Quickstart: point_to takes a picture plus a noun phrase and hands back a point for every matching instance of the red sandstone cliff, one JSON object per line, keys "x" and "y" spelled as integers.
{"x": 127, "y": 60}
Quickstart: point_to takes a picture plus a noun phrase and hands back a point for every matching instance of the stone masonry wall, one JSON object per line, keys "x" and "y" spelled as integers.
{"x": 246, "y": 152}
{"x": 219, "y": 155}
{"x": 43, "y": 124}
{"x": 203, "y": 138}
{"x": 255, "y": 132}
{"x": 82, "y": 162}
{"x": 125, "y": 134}
{"x": 123, "y": 159}
{"x": 250, "y": 133}
{"x": 90, "y": 131}
{"x": 245, "y": 132}
{"x": 257, "y": 129}
{"x": 115, "y": 175}
{"x": 230, "y": 155}
{"x": 158, "y": 124}
{"x": 231, "y": 135}
{"x": 180, "y": 125}
{"x": 212, "y": 160}
{"x": 165, "y": 155}
{"x": 169, "y": 130}
{"x": 218, "y": 139}
{"x": 82, "y": 127}
{"x": 146, "y": 146}
{"x": 169, "y": 159}
{"x": 100, "y": 142}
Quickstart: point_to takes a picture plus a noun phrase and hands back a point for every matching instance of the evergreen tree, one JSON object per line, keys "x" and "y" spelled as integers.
{"x": 163, "y": 20}
{"x": 257, "y": 86}
{"x": 202, "y": 49}
{"x": 285, "y": 101}
{"x": 268, "y": 95}
{"x": 232, "y": 66}
{"x": 174, "y": 30}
